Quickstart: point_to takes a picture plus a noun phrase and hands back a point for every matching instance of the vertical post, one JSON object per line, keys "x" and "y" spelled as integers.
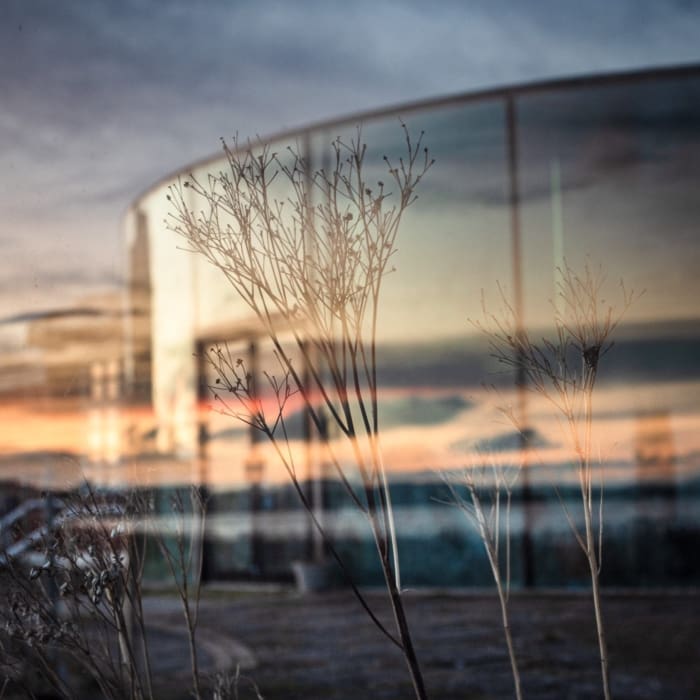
{"x": 314, "y": 476}
{"x": 520, "y": 380}
{"x": 200, "y": 562}
{"x": 52, "y": 588}
{"x": 557, "y": 230}
{"x": 307, "y": 435}
{"x": 254, "y": 469}
{"x": 307, "y": 431}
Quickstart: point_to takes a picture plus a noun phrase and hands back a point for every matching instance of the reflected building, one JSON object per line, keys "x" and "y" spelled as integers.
{"x": 62, "y": 401}
{"x": 599, "y": 170}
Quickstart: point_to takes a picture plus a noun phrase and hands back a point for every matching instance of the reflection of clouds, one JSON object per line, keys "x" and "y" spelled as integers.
{"x": 412, "y": 452}
{"x": 419, "y": 410}
{"x": 71, "y": 313}
{"x": 596, "y": 134}
{"x": 104, "y": 97}
{"x": 504, "y": 442}
{"x": 397, "y": 407}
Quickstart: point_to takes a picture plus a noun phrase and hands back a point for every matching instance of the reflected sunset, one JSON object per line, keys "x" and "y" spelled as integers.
{"x": 123, "y": 386}
{"x": 349, "y": 350}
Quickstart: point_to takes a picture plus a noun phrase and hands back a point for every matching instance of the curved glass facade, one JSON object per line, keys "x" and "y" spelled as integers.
{"x": 600, "y": 172}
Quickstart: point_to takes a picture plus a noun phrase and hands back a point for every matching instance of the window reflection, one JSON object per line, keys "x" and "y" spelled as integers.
{"x": 605, "y": 174}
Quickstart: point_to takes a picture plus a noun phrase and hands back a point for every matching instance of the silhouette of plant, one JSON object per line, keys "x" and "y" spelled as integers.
{"x": 564, "y": 370}
{"x": 489, "y": 485}
{"x": 182, "y": 555}
{"x": 75, "y": 613}
{"x": 311, "y": 265}
{"x": 76, "y": 605}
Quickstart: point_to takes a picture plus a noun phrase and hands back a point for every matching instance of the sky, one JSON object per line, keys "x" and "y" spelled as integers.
{"x": 98, "y": 99}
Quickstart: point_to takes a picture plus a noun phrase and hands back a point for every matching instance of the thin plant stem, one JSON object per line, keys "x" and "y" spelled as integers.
{"x": 491, "y": 479}
{"x": 563, "y": 370}
{"x": 312, "y": 272}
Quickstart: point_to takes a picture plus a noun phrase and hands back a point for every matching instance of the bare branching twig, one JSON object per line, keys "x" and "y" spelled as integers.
{"x": 563, "y": 370}
{"x": 310, "y": 263}
{"x": 76, "y": 611}
{"x": 489, "y": 484}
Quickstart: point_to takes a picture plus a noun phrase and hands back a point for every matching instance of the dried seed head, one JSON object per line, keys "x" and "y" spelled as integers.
{"x": 591, "y": 355}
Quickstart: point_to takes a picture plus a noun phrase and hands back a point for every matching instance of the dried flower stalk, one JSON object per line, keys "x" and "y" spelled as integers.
{"x": 564, "y": 370}
{"x": 311, "y": 265}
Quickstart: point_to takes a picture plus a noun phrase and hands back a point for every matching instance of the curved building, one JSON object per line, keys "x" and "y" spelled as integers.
{"x": 599, "y": 173}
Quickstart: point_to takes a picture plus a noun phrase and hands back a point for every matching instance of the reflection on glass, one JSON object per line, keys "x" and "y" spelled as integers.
{"x": 606, "y": 174}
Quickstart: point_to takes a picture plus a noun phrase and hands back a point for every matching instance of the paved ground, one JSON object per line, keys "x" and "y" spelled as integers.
{"x": 323, "y": 647}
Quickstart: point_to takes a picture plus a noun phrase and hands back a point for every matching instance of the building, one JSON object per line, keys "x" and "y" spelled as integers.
{"x": 527, "y": 180}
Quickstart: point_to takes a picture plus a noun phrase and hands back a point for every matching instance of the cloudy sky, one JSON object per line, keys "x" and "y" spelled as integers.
{"x": 98, "y": 98}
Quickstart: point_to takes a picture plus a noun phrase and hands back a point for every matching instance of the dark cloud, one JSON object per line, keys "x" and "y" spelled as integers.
{"x": 78, "y": 312}
{"x": 395, "y": 413}
{"x": 101, "y": 98}
{"x": 510, "y": 441}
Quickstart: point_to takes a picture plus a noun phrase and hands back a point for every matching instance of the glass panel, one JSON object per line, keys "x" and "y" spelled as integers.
{"x": 604, "y": 175}
{"x": 453, "y": 241}
{"x": 609, "y": 179}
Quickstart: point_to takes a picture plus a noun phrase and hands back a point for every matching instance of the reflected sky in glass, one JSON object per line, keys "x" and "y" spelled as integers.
{"x": 100, "y": 376}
